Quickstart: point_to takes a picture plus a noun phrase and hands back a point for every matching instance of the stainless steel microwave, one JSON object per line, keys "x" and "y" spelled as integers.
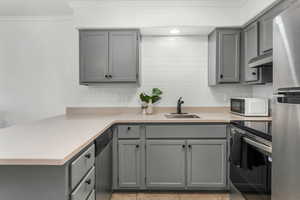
{"x": 249, "y": 106}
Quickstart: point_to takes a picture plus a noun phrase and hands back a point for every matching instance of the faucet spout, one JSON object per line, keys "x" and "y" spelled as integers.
{"x": 179, "y": 103}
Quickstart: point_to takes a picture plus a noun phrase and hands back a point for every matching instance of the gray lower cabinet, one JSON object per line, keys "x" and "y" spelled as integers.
{"x": 250, "y": 39}
{"x": 107, "y": 56}
{"x": 174, "y": 131}
{"x": 224, "y": 56}
{"x": 165, "y": 164}
{"x": 73, "y": 181}
{"x": 128, "y": 131}
{"x": 34, "y": 182}
{"x": 170, "y": 157}
{"x": 85, "y": 187}
{"x": 206, "y": 164}
{"x": 81, "y": 165}
{"x": 129, "y": 159}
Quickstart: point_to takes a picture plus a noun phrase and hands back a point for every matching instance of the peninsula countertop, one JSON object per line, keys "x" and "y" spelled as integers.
{"x": 55, "y": 140}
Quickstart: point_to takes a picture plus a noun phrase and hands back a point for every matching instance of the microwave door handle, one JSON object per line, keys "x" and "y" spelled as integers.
{"x": 258, "y": 145}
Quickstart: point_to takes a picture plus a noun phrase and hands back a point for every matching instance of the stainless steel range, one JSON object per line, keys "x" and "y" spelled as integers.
{"x": 250, "y": 160}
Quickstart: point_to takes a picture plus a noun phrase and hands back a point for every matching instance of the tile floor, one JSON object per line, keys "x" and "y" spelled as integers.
{"x": 170, "y": 196}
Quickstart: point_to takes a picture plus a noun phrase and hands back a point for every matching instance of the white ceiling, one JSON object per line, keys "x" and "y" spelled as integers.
{"x": 61, "y": 7}
{"x": 34, "y": 7}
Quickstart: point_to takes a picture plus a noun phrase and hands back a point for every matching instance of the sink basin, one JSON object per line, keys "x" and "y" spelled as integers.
{"x": 183, "y": 115}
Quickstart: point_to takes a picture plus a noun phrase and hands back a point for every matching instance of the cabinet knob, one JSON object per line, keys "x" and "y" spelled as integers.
{"x": 221, "y": 76}
{"x": 253, "y": 73}
{"x": 183, "y": 146}
{"x": 109, "y": 76}
{"x": 190, "y": 146}
{"x": 87, "y": 155}
{"x": 128, "y": 128}
{"x": 137, "y": 146}
{"x": 106, "y": 76}
{"x": 88, "y": 181}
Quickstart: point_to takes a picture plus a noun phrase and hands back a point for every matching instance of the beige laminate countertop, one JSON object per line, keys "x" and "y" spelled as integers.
{"x": 54, "y": 141}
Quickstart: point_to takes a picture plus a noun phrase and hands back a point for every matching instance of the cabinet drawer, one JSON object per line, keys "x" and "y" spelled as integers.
{"x": 85, "y": 187}
{"x": 92, "y": 196}
{"x": 81, "y": 166}
{"x": 128, "y": 131}
{"x": 186, "y": 131}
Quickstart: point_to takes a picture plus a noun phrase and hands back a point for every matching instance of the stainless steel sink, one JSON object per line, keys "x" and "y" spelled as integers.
{"x": 183, "y": 115}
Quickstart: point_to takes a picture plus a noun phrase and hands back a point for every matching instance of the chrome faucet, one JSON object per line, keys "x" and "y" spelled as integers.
{"x": 179, "y": 103}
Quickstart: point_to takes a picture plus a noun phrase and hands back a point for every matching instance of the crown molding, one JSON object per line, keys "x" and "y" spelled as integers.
{"x": 157, "y": 3}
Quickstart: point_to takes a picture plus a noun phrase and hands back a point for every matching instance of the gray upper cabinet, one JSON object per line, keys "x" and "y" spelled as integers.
{"x": 129, "y": 163}
{"x": 266, "y": 33}
{"x": 229, "y": 56}
{"x": 108, "y": 56}
{"x": 250, "y": 48}
{"x": 123, "y": 59}
{"x": 165, "y": 164}
{"x": 224, "y": 56}
{"x": 206, "y": 164}
{"x": 93, "y": 56}
{"x": 266, "y": 26}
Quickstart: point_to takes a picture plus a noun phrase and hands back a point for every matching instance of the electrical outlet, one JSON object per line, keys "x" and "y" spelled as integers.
{"x": 225, "y": 97}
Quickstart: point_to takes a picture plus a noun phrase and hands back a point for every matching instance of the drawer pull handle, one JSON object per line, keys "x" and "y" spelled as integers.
{"x": 88, "y": 156}
{"x": 88, "y": 181}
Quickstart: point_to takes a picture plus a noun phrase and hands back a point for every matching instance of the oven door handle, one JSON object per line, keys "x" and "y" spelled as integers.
{"x": 258, "y": 145}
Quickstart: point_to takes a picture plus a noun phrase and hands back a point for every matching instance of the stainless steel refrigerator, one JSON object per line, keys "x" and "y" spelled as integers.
{"x": 286, "y": 105}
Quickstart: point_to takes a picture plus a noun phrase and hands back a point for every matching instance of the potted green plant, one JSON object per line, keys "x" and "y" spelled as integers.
{"x": 149, "y": 100}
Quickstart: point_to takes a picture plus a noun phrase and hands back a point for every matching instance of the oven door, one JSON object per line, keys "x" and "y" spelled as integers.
{"x": 252, "y": 177}
{"x": 237, "y": 106}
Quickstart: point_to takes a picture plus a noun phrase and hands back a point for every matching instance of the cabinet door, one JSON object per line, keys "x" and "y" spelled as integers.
{"x": 266, "y": 26}
{"x": 123, "y": 59}
{"x": 251, "y": 51}
{"x": 229, "y": 56}
{"x": 206, "y": 164}
{"x": 266, "y": 34}
{"x": 165, "y": 164}
{"x": 129, "y": 163}
{"x": 93, "y": 50}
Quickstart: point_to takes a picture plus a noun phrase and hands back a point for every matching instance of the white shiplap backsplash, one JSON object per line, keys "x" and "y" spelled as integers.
{"x": 39, "y": 72}
{"x": 177, "y": 65}
{"x": 263, "y": 91}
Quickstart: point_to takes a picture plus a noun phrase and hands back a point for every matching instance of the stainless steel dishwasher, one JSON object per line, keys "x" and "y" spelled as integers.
{"x": 103, "y": 164}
